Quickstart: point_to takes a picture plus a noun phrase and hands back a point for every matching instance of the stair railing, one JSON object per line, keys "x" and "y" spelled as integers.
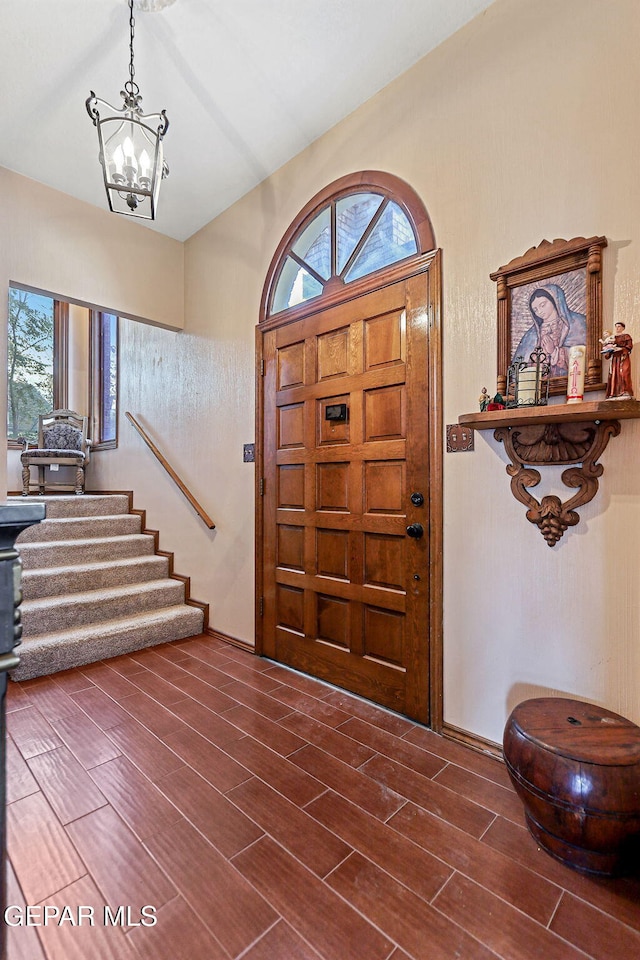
{"x": 204, "y": 516}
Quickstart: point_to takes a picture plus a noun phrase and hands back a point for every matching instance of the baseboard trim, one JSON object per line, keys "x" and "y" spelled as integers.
{"x": 233, "y": 641}
{"x": 186, "y": 581}
{"x": 472, "y": 740}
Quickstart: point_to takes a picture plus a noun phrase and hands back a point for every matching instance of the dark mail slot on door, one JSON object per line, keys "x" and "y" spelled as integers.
{"x": 336, "y": 411}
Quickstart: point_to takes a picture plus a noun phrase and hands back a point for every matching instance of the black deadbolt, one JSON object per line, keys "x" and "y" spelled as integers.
{"x": 417, "y": 499}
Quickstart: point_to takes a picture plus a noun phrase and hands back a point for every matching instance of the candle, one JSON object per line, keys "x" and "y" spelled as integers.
{"x": 527, "y": 386}
{"x": 575, "y": 374}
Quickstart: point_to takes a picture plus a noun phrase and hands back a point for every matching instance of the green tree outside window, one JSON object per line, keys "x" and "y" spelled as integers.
{"x": 30, "y": 362}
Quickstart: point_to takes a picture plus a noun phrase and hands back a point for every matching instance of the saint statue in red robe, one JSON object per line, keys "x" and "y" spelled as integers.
{"x": 618, "y": 348}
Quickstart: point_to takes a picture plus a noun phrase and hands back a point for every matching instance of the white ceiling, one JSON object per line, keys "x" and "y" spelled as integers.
{"x": 247, "y": 84}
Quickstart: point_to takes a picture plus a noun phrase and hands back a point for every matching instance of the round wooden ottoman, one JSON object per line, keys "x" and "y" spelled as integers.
{"x": 576, "y": 768}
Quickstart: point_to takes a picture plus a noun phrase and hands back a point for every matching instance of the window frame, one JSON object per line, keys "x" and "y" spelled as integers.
{"x": 60, "y": 354}
{"x": 97, "y": 370}
{"x": 391, "y": 188}
{"x": 60, "y": 364}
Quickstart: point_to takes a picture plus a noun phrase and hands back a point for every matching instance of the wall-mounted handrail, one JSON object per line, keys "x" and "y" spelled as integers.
{"x": 204, "y": 516}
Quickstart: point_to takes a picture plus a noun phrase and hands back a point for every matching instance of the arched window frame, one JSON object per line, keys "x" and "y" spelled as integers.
{"x": 334, "y": 289}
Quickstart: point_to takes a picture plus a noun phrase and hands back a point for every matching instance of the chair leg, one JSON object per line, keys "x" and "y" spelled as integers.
{"x": 79, "y": 480}
{"x": 26, "y": 479}
{"x": 41, "y": 480}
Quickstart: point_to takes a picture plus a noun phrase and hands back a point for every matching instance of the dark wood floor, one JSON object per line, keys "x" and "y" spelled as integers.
{"x": 267, "y": 816}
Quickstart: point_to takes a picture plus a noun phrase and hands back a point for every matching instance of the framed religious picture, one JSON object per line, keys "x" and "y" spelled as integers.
{"x": 551, "y": 297}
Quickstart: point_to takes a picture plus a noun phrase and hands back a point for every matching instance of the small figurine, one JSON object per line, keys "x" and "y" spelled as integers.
{"x": 619, "y": 347}
{"x": 497, "y": 403}
{"x": 608, "y": 343}
{"x": 484, "y": 400}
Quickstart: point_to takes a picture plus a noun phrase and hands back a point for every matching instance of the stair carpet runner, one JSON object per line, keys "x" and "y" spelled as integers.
{"x": 93, "y": 588}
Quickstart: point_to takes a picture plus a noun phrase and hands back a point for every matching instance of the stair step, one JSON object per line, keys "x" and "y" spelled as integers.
{"x": 89, "y": 505}
{"x": 51, "y": 652}
{"x": 51, "y": 614}
{"x": 67, "y": 552}
{"x": 51, "y": 581}
{"x": 81, "y": 528}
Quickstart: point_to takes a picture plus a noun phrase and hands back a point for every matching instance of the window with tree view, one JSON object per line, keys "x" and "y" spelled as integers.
{"x": 31, "y": 362}
{"x": 104, "y": 342}
{"x": 60, "y": 355}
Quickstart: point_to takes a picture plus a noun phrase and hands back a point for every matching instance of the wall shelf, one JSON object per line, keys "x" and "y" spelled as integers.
{"x": 555, "y": 435}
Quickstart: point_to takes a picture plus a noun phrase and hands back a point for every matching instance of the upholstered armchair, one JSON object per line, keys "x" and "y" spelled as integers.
{"x": 62, "y": 442}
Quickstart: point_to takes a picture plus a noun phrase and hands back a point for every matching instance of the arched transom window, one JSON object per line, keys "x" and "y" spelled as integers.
{"x": 350, "y": 235}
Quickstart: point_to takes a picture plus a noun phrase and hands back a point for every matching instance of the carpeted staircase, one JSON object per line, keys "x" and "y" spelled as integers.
{"x": 94, "y": 588}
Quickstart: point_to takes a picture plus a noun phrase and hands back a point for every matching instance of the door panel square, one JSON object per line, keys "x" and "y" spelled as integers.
{"x": 290, "y": 608}
{"x": 291, "y": 366}
{"x": 290, "y": 547}
{"x": 333, "y": 620}
{"x": 384, "y": 560}
{"x": 384, "y": 486}
{"x": 384, "y": 635}
{"x": 332, "y": 553}
{"x": 291, "y": 486}
{"x": 332, "y": 486}
{"x": 333, "y": 354}
{"x": 384, "y": 340}
{"x": 291, "y": 426}
{"x": 332, "y": 431}
{"x": 384, "y": 411}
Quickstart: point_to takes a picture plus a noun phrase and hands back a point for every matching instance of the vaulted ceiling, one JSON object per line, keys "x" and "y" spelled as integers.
{"x": 247, "y": 84}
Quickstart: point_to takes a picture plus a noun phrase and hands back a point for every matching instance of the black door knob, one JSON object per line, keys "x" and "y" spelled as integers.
{"x": 415, "y": 530}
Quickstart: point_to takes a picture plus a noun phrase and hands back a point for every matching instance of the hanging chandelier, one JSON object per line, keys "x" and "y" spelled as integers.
{"x": 131, "y": 152}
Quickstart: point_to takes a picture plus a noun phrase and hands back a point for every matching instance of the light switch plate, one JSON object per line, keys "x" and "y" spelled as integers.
{"x": 249, "y": 453}
{"x": 459, "y": 438}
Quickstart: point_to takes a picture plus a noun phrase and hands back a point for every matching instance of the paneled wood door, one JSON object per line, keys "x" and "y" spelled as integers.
{"x": 345, "y": 437}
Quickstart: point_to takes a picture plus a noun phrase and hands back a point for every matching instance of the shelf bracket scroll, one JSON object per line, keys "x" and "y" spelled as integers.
{"x": 559, "y": 444}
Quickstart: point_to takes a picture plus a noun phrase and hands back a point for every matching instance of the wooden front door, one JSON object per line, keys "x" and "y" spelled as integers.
{"x": 345, "y": 434}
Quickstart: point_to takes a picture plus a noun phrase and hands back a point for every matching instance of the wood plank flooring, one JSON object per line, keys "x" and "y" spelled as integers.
{"x": 259, "y": 814}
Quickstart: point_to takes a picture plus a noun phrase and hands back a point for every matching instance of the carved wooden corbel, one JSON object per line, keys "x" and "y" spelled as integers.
{"x": 558, "y": 444}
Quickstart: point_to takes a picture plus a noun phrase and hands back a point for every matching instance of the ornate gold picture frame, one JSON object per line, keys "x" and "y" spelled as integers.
{"x": 552, "y": 297}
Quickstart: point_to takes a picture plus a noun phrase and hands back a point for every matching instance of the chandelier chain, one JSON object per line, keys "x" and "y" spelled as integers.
{"x": 131, "y": 86}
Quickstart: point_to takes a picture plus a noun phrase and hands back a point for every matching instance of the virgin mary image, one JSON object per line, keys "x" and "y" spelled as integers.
{"x": 554, "y": 328}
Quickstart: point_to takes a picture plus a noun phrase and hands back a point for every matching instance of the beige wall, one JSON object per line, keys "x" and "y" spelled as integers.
{"x": 77, "y": 251}
{"x": 62, "y": 246}
{"x": 521, "y": 127}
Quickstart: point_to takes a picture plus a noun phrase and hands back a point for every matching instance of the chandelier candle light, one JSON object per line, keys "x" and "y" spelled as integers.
{"x": 131, "y": 152}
